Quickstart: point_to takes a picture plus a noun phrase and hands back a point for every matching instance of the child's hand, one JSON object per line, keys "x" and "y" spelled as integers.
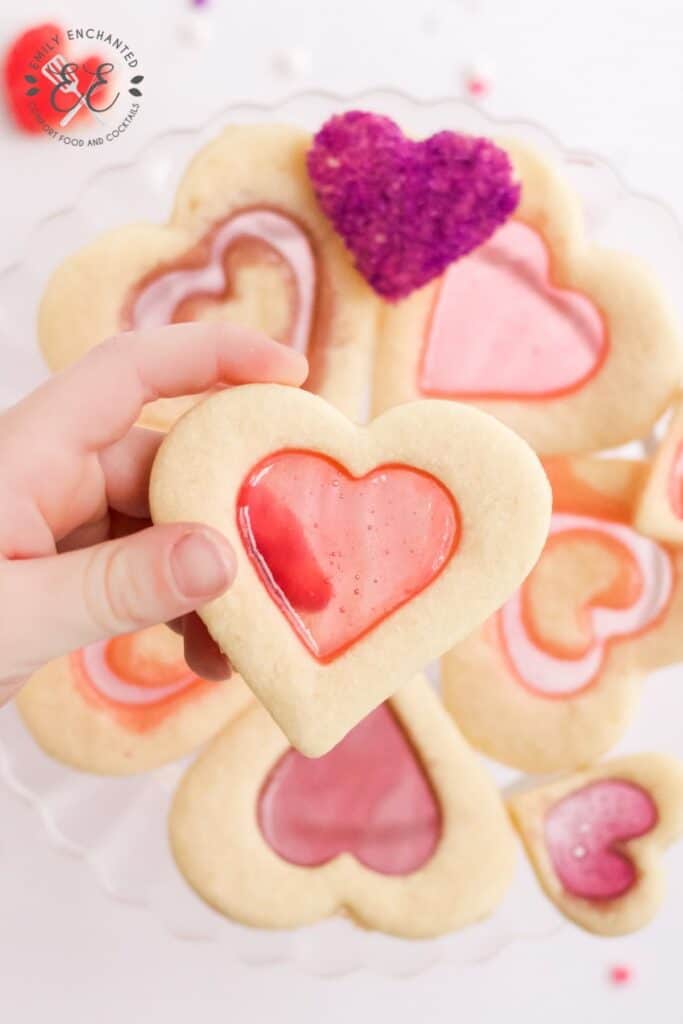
{"x": 74, "y": 472}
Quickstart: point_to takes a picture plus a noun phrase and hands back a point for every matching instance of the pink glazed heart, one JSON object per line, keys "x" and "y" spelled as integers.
{"x": 501, "y": 329}
{"x": 407, "y": 209}
{"x": 369, "y": 796}
{"x": 584, "y": 834}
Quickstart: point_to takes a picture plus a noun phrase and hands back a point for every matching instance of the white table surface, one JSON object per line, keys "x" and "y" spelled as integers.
{"x": 605, "y": 76}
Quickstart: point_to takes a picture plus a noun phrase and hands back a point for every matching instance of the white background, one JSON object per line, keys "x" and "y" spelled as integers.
{"x": 601, "y": 75}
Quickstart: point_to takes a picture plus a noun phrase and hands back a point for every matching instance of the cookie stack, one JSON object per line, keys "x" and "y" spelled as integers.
{"x": 475, "y": 522}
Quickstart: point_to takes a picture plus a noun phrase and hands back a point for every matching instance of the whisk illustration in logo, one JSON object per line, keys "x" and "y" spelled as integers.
{"x": 77, "y": 100}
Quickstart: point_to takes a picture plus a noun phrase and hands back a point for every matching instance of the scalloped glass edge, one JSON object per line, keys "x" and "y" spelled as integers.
{"x": 118, "y": 826}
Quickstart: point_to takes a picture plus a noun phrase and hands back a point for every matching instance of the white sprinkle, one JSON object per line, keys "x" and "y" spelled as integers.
{"x": 195, "y": 29}
{"x": 295, "y": 62}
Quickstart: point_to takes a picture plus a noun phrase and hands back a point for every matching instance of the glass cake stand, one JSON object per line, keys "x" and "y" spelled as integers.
{"x": 118, "y": 826}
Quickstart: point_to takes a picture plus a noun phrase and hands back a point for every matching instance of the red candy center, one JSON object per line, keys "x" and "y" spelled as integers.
{"x": 584, "y": 832}
{"x": 337, "y": 553}
{"x": 369, "y": 796}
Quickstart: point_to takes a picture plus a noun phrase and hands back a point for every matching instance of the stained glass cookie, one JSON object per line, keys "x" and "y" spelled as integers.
{"x": 363, "y": 552}
{"x": 398, "y": 825}
{"x": 126, "y": 705}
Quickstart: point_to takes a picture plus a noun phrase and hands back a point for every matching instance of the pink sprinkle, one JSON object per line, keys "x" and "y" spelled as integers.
{"x": 477, "y": 86}
{"x": 478, "y": 78}
{"x": 621, "y": 974}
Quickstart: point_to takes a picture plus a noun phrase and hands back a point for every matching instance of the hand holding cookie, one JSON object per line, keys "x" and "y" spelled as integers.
{"x": 363, "y": 552}
{"x": 450, "y": 285}
{"x": 76, "y": 473}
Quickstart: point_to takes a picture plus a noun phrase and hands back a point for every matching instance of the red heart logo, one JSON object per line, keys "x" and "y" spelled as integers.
{"x": 35, "y": 46}
{"x": 338, "y": 553}
{"x": 501, "y": 329}
{"x": 583, "y": 833}
{"x": 368, "y": 796}
{"x": 201, "y": 277}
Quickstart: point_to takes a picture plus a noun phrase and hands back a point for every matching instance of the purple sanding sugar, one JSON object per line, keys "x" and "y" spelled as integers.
{"x": 407, "y": 209}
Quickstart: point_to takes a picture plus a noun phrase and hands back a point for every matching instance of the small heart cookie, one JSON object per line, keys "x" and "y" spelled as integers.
{"x": 362, "y": 553}
{"x": 659, "y": 513}
{"x": 398, "y": 825}
{"x": 551, "y": 681}
{"x": 595, "y": 839}
{"x": 574, "y": 347}
{"x": 126, "y": 705}
{"x": 247, "y": 243}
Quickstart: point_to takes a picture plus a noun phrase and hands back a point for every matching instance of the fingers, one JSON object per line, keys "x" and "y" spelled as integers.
{"x": 126, "y": 465}
{"x": 202, "y": 653}
{"x": 57, "y": 604}
{"x": 86, "y": 535}
{"x": 97, "y": 400}
{"x": 110, "y": 526}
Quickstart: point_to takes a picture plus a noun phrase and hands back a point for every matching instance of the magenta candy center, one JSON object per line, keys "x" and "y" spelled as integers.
{"x": 584, "y": 834}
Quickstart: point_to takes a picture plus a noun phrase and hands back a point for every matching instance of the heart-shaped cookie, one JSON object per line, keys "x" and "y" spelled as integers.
{"x": 398, "y": 825}
{"x": 362, "y": 553}
{"x": 659, "y": 512}
{"x": 595, "y": 839}
{"x": 246, "y": 242}
{"x": 576, "y": 348}
{"x": 407, "y": 209}
{"x": 550, "y": 682}
{"x": 126, "y": 705}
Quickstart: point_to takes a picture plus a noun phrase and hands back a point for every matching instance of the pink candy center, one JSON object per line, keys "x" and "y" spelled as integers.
{"x": 369, "y": 796}
{"x": 165, "y": 293}
{"x": 500, "y": 329}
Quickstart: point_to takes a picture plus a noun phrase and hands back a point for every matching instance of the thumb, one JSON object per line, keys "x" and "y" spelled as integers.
{"x": 57, "y": 604}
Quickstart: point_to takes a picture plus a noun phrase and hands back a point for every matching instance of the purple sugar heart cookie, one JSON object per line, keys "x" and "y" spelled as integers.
{"x": 407, "y": 209}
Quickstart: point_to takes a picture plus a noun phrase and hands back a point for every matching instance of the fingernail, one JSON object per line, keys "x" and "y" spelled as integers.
{"x": 200, "y": 567}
